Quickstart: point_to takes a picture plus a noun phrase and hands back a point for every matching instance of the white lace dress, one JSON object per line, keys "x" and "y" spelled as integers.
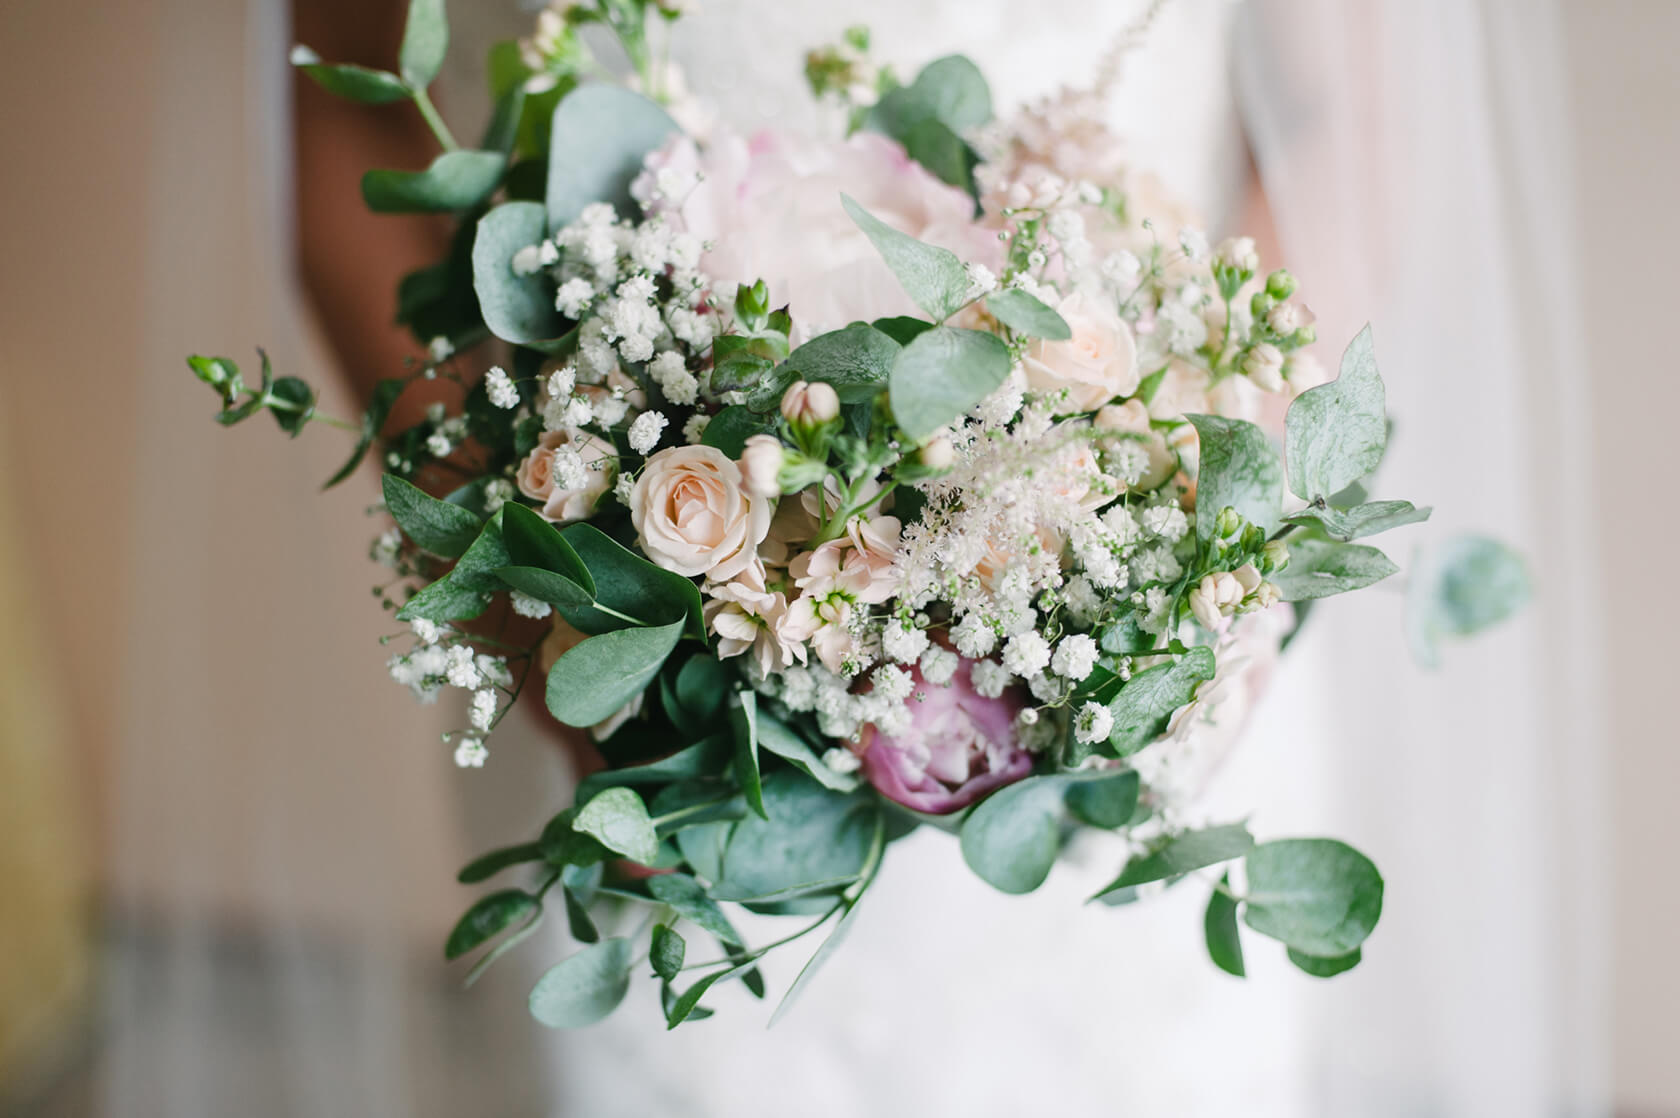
{"x": 948, "y": 997}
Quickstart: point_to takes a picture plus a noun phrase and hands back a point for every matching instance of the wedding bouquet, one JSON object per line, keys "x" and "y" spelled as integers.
{"x": 933, "y": 472}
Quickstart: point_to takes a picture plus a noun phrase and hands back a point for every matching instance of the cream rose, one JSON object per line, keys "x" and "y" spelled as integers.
{"x": 590, "y": 462}
{"x": 1094, "y": 366}
{"x": 692, "y": 515}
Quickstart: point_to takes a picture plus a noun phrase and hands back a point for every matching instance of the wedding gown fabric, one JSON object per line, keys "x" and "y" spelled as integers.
{"x": 1408, "y": 153}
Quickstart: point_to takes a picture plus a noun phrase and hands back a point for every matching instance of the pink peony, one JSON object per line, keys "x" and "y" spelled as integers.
{"x": 960, "y": 746}
{"x": 769, "y": 208}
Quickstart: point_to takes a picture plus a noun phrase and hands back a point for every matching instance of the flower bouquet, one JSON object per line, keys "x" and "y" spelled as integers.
{"x": 918, "y": 474}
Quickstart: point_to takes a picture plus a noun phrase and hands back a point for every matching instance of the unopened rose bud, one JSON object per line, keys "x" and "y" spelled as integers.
{"x": 1280, "y": 284}
{"x": 1238, "y": 254}
{"x": 939, "y": 454}
{"x": 810, "y": 405}
{"x": 1275, "y": 555}
{"x": 761, "y": 466}
{"x": 1229, "y": 523}
{"x": 1264, "y": 366}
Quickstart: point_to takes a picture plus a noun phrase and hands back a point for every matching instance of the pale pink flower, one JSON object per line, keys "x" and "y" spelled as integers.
{"x": 1097, "y": 364}
{"x": 693, "y": 517}
{"x": 746, "y": 616}
{"x": 563, "y": 505}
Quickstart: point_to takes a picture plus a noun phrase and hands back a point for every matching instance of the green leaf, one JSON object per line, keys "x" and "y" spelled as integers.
{"x": 730, "y": 429}
{"x": 602, "y": 132}
{"x": 1219, "y": 926}
{"x": 811, "y": 835}
{"x": 438, "y": 526}
{"x": 698, "y": 694}
{"x": 489, "y": 865}
{"x": 902, "y": 329}
{"x": 785, "y": 743}
{"x": 1237, "y": 468}
{"x": 1183, "y": 853}
{"x": 743, "y": 719}
{"x": 489, "y": 917}
{"x": 1319, "y": 569}
{"x": 1027, "y": 315}
{"x": 297, "y": 393}
{"x": 516, "y": 308}
{"x": 476, "y": 570}
{"x": 545, "y": 586}
{"x": 585, "y": 987}
{"x": 1319, "y": 896}
{"x": 1320, "y": 967}
{"x": 630, "y": 585}
{"x": 690, "y": 901}
{"x": 456, "y": 180}
{"x": 703, "y": 758}
{"x": 951, "y": 90}
{"x": 353, "y": 83}
{"x": 577, "y": 917}
{"x": 425, "y": 42}
{"x": 943, "y": 152}
{"x": 593, "y": 679}
{"x": 679, "y": 1010}
{"x": 666, "y": 950}
{"x": 1360, "y": 521}
{"x": 1109, "y": 801}
{"x": 1468, "y": 584}
{"x": 532, "y": 541}
{"x": 857, "y": 360}
{"x": 1147, "y": 701}
{"x": 933, "y": 277}
{"x": 942, "y": 374}
{"x": 1336, "y": 433}
{"x": 1011, "y": 838}
{"x": 445, "y": 600}
{"x": 821, "y": 955}
{"x": 618, "y": 820}
{"x": 385, "y": 395}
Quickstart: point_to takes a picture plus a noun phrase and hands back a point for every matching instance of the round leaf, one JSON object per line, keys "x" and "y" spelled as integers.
{"x": 933, "y": 277}
{"x": 425, "y": 42}
{"x": 592, "y": 680}
{"x": 1325, "y": 968}
{"x": 1011, "y": 838}
{"x": 516, "y": 308}
{"x": 618, "y": 820}
{"x": 489, "y": 917}
{"x": 456, "y": 180}
{"x": 600, "y": 134}
{"x": 1319, "y": 896}
{"x": 353, "y": 83}
{"x": 943, "y": 373}
{"x": 584, "y": 988}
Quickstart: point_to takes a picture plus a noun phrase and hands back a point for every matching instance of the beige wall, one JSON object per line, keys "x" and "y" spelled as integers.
{"x": 1627, "y": 144}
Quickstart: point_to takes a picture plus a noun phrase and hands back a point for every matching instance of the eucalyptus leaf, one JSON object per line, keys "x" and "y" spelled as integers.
{"x": 618, "y": 819}
{"x": 730, "y": 428}
{"x": 1108, "y": 802}
{"x": 943, "y": 373}
{"x": 532, "y": 541}
{"x": 1011, "y": 838}
{"x": 578, "y": 921}
{"x": 690, "y": 901}
{"x": 1219, "y": 928}
{"x": 856, "y": 360}
{"x": 1319, "y": 896}
{"x": 703, "y": 758}
{"x": 353, "y": 83}
{"x": 1237, "y": 468}
{"x": 776, "y": 737}
{"x": 438, "y": 526}
{"x": 822, "y": 955}
{"x": 700, "y": 691}
{"x": 489, "y": 865}
{"x": 300, "y": 396}
{"x": 689, "y": 1000}
{"x": 951, "y": 90}
{"x": 584, "y": 988}
{"x": 1360, "y": 521}
{"x": 1181, "y": 854}
{"x": 1147, "y": 701}
{"x": 476, "y": 570}
{"x": 1026, "y": 314}
{"x": 445, "y": 600}
{"x": 1320, "y": 568}
{"x": 1467, "y": 585}
{"x": 425, "y": 42}
{"x": 385, "y": 395}
{"x": 933, "y": 277}
{"x": 455, "y": 180}
{"x": 935, "y": 146}
{"x": 631, "y": 586}
{"x": 666, "y": 950}
{"x": 545, "y": 586}
{"x": 601, "y": 133}
{"x": 516, "y": 308}
{"x": 594, "y": 678}
{"x": 1325, "y": 968}
{"x": 743, "y": 719}
{"x": 1336, "y": 433}
{"x": 811, "y": 835}
{"x": 490, "y": 917}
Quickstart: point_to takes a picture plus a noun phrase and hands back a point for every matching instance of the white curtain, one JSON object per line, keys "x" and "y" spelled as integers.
{"x": 1415, "y": 156}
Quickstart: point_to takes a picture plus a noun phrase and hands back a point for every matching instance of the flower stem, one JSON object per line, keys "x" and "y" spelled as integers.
{"x": 434, "y": 121}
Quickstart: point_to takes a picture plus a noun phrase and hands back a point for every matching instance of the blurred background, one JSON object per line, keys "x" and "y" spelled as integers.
{"x": 227, "y": 842}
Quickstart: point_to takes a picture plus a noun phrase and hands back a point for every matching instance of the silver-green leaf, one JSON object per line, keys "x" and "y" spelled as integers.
{"x": 595, "y": 678}
{"x": 1361, "y": 520}
{"x": 1148, "y": 699}
{"x": 1237, "y": 468}
{"x": 1025, "y": 314}
{"x": 456, "y": 180}
{"x": 1319, "y": 896}
{"x": 516, "y": 308}
{"x": 932, "y": 276}
{"x": 425, "y": 42}
{"x": 600, "y": 134}
{"x": 1468, "y": 584}
{"x": 943, "y": 373}
{"x": 353, "y": 83}
{"x": 1336, "y": 433}
{"x": 1321, "y": 568}
{"x": 583, "y": 988}
{"x": 618, "y": 820}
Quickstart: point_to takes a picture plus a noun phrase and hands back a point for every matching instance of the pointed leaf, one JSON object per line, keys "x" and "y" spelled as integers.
{"x": 1361, "y": 520}
{"x": 585, "y": 987}
{"x": 1320, "y": 967}
{"x": 1027, "y": 315}
{"x": 666, "y": 950}
{"x": 1219, "y": 926}
{"x": 1183, "y": 853}
{"x": 1147, "y": 701}
{"x": 438, "y": 526}
{"x": 743, "y": 719}
{"x": 1319, "y": 569}
{"x": 596, "y": 677}
{"x": 1337, "y": 432}
{"x": 489, "y": 865}
{"x": 619, "y": 821}
{"x": 1237, "y": 468}
{"x": 353, "y": 83}
{"x": 1011, "y": 838}
{"x": 933, "y": 277}
{"x": 489, "y": 917}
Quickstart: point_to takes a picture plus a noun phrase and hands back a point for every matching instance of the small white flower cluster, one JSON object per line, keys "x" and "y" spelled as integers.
{"x": 448, "y": 431}
{"x": 441, "y": 657}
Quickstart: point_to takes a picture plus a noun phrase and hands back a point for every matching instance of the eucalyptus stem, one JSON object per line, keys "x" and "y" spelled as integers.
{"x": 423, "y": 102}
{"x": 275, "y": 403}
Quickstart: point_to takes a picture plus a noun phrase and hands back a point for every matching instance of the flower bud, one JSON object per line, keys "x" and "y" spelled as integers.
{"x": 1230, "y": 522}
{"x": 1238, "y": 254}
{"x": 1266, "y": 595}
{"x": 1274, "y": 556}
{"x": 810, "y": 405}
{"x": 1280, "y": 284}
{"x": 761, "y": 466}
{"x": 752, "y": 305}
{"x": 1215, "y": 598}
{"x": 1288, "y": 318}
{"x": 1264, "y": 366}
{"x": 939, "y": 454}
{"x": 1248, "y": 578}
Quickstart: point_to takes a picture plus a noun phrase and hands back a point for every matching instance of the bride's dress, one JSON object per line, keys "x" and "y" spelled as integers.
{"x": 949, "y": 997}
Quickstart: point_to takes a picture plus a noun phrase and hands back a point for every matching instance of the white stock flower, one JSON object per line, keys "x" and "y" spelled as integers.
{"x": 1215, "y": 598}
